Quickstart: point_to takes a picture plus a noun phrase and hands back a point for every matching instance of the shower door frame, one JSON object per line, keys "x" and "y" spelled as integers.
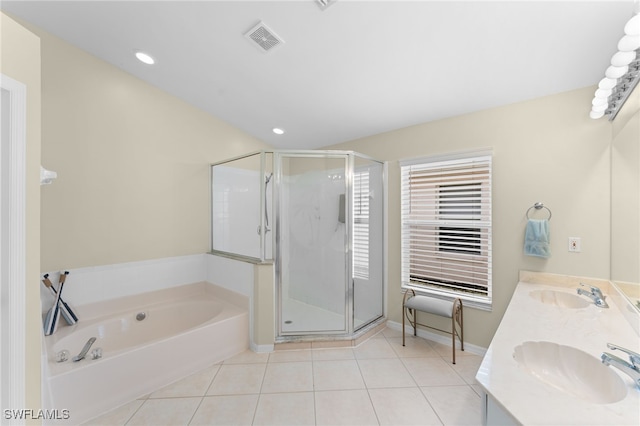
{"x": 278, "y": 258}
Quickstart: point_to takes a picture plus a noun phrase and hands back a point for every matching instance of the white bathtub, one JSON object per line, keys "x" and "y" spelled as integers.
{"x": 186, "y": 329}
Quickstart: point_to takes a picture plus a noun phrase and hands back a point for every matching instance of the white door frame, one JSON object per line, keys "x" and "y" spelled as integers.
{"x": 12, "y": 250}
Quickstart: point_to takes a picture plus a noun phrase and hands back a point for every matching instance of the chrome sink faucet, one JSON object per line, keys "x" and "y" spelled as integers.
{"x": 594, "y": 293}
{"x": 631, "y": 369}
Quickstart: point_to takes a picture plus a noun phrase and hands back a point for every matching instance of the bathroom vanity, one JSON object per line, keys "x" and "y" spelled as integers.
{"x": 543, "y": 365}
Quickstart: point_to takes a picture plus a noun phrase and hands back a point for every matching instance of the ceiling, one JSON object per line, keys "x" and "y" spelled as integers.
{"x": 354, "y": 69}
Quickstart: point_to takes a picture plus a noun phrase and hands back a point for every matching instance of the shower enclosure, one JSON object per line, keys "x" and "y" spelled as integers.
{"x": 318, "y": 216}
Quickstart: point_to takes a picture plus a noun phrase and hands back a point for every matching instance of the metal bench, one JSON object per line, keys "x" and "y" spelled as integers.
{"x": 411, "y": 304}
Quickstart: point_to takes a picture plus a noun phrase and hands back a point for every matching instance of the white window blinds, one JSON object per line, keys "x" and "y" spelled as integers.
{"x": 446, "y": 227}
{"x": 361, "y": 224}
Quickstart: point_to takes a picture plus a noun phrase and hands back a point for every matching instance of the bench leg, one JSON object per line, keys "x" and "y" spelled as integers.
{"x": 403, "y": 321}
{"x": 461, "y": 329}
{"x": 453, "y": 336}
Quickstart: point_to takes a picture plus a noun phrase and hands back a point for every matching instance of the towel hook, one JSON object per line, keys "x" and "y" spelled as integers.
{"x": 539, "y": 206}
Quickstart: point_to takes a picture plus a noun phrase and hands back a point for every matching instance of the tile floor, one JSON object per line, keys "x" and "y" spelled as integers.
{"x": 380, "y": 382}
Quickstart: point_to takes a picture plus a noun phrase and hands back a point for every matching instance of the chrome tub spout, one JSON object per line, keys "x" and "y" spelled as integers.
{"x": 84, "y": 351}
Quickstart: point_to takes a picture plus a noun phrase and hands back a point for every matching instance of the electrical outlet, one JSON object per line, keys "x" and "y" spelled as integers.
{"x": 574, "y": 244}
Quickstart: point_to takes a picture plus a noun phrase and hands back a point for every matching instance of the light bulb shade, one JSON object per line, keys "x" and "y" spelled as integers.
{"x": 599, "y": 101}
{"x": 607, "y": 83}
{"x": 616, "y": 72}
{"x": 600, "y": 107}
{"x": 600, "y": 93}
{"x": 633, "y": 26}
{"x": 596, "y": 114}
{"x": 620, "y": 59}
{"x": 629, "y": 43}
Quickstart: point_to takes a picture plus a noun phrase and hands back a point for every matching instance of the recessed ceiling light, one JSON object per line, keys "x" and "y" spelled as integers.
{"x": 145, "y": 58}
{"x": 278, "y": 131}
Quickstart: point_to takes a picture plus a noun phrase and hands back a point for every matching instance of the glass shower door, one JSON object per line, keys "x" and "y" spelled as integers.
{"x": 311, "y": 236}
{"x": 367, "y": 241}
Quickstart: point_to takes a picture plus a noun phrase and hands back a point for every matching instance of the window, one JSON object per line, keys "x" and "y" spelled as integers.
{"x": 446, "y": 227}
{"x": 361, "y": 224}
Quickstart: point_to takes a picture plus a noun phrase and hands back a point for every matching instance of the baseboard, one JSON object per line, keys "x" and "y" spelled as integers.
{"x": 445, "y": 340}
{"x": 261, "y": 348}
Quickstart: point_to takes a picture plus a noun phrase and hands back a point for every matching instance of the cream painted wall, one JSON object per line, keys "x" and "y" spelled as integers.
{"x": 547, "y": 150}
{"x": 132, "y": 164}
{"x": 20, "y": 53}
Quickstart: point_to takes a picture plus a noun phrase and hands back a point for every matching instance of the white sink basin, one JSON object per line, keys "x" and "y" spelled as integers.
{"x": 559, "y": 298}
{"x": 571, "y": 370}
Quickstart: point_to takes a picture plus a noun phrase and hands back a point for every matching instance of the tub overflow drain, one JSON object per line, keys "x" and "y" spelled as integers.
{"x": 140, "y": 316}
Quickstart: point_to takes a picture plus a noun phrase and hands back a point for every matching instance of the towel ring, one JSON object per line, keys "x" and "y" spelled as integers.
{"x": 539, "y": 206}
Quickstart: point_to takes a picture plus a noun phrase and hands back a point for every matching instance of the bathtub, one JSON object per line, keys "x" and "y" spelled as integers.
{"x": 185, "y": 329}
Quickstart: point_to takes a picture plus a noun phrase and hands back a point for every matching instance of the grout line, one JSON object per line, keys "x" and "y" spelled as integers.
{"x": 196, "y": 410}
{"x": 134, "y": 413}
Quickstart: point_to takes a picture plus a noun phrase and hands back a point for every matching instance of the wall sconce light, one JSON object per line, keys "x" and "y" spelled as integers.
{"x": 623, "y": 74}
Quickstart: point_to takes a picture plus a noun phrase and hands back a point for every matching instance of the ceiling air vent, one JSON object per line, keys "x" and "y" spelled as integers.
{"x": 263, "y": 38}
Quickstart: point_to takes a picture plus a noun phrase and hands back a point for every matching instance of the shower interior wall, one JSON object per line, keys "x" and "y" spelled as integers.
{"x": 236, "y": 205}
{"x": 311, "y": 232}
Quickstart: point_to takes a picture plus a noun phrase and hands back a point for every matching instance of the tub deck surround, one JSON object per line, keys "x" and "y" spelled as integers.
{"x": 527, "y": 399}
{"x": 186, "y": 329}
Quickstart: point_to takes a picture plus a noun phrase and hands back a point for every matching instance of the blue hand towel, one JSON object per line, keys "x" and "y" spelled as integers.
{"x": 536, "y": 238}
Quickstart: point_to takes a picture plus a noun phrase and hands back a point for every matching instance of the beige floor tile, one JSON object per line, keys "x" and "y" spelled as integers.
{"x": 194, "y": 385}
{"x": 445, "y": 350}
{"x": 290, "y": 356}
{"x": 288, "y": 377}
{"x": 467, "y": 367}
{"x": 374, "y": 348}
{"x": 455, "y": 405}
{"x": 414, "y": 347}
{"x": 385, "y": 373}
{"x": 347, "y": 407}
{"x": 391, "y": 333}
{"x": 226, "y": 410}
{"x": 285, "y": 409}
{"x": 405, "y": 406}
{"x": 170, "y": 411}
{"x": 432, "y": 372}
{"x": 238, "y": 379}
{"x": 332, "y": 354}
{"x": 337, "y": 375}
{"x": 116, "y": 417}
{"x": 248, "y": 357}
{"x": 477, "y": 389}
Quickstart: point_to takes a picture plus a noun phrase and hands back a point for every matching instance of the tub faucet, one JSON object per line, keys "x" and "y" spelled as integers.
{"x": 595, "y": 294}
{"x": 84, "y": 351}
{"x": 631, "y": 369}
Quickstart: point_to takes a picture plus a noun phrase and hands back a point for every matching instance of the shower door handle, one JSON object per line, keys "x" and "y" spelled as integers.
{"x": 259, "y": 229}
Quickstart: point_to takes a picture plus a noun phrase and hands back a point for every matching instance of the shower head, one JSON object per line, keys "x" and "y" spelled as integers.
{"x": 268, "y": 178}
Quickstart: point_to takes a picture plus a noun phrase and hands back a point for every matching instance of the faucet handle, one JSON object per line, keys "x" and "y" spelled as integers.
{"x": 633, "y": 356}
{"x": 593, "y": 289}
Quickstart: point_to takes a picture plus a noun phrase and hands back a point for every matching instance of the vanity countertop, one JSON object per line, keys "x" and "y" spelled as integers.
{"x": 531, "y": 401}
